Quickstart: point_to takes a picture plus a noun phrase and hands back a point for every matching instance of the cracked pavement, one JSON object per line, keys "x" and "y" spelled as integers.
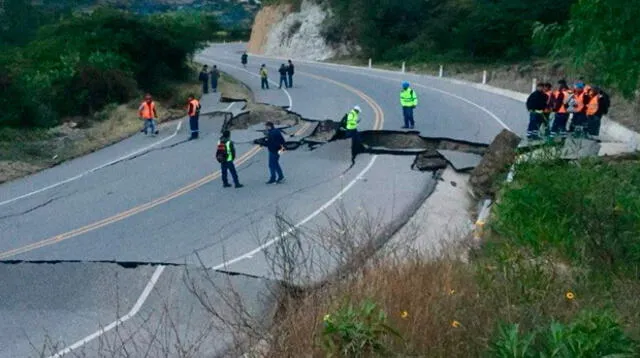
{"x": 115, "y": 214}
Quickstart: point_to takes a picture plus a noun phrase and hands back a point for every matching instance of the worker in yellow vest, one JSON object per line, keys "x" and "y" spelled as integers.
{"x": 408, "y": 101}
{"x": 193, "y": 111}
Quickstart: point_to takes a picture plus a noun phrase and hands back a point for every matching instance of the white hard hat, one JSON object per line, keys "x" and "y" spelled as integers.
{"x": 357, "y": 108}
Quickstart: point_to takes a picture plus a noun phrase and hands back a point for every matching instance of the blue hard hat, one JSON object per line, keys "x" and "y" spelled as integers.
{"x": 405, "y": 84}
{"x": 580, "y": 85}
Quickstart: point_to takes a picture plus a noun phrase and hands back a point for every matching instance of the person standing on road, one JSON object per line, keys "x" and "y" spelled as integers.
{"x": 290, "y": 73}
{"x": 244, "y": 59}
{"x": 408, "y": 101}
{"x": 225, "y": 155}
{"x": 147, "y": 113}
{"x": 264, "y": 77}
{"x": 204, "y": 78}
{"x": 275, "y": 146}
{"x": 351, "y": 128}
{"x": 193, "y": 111}
{"x": 594, "y": 111}
{"x": 577, "y": 106}
{"x": 215, "y": 76}
{"x": 536, "y": 105}
{"x": 559, "y": 108}
{"x": 283, "y": 76}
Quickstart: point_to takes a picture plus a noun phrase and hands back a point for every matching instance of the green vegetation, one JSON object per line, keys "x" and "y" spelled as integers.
{"x": 78, "y": 65}
{"x": 557, "y": 277}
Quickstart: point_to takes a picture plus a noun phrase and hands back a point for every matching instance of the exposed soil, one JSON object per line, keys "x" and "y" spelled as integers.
{"x": 394, "y": 140}
{"x": 486, "y": 177}
{"x": 262, "y": 113}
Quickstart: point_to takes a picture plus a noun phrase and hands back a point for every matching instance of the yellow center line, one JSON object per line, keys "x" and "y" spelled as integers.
{"x": 379, "y": 120}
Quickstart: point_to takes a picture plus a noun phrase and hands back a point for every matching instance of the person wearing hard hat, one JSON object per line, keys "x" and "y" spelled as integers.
{"x": 408, "y": 101}
{"x": 350, "y": 125}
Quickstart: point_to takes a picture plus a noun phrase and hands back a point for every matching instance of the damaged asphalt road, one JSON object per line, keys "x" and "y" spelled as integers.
{"x": 168, "y": 206}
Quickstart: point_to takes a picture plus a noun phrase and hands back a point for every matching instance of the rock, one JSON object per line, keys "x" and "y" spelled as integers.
{"x": 429, "y": 161}
{"x": 500, "y": 155}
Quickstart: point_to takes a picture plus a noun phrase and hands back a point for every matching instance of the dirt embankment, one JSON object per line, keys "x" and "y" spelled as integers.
{"x": 266, "y": 18}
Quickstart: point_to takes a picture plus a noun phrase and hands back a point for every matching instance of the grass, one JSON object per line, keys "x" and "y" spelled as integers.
{"x": 557, "y": 276}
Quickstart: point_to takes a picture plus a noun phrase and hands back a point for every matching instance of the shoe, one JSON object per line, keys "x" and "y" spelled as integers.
{"x": 411, "y": 127}
{"x": 405, "y": 127}
{"x": 226, "y": 185}
{"x": 280, "y": 181}
{"x": 271, "y": 182}
{"x": 157, "y": 132}
{"x": 238, "y": 186}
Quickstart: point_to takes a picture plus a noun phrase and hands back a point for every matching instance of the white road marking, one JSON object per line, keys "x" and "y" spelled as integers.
{"x": 134, "y": 310}
{"x": 87, "y": 172}
{"x": 252, "y": 74}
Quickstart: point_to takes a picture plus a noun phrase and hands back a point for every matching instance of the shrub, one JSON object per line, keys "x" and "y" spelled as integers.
{"x": 357, "y": 331}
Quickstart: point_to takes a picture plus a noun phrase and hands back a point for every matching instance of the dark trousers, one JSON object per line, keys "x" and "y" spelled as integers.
{"x": 274, "y": 167}
{"x": 205, "y": 86}
{"x": 230, "y": 167}
{"x": 214, "y": 85}
{"x": 407, "y": 113}
{"x": 283, "y": 79}
{"x": 560, "y": 123}
{"x": 355, "y": 140}
{"x": 265, "y": 83}
{"x": 578, "y": 120}
{"x": 593, "y": 125}
{"x": 193, "y": 125}
{"x": 535, "y": 120}
{"x": 290, "y": 80}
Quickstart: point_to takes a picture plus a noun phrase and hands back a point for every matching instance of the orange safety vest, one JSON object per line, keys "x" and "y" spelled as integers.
{"x": 579, "y": 102}
{"x": 192, "y": 110}
{"x": 556, "y": 95}
{"x": 147, "y": 110}
{"x": 593, "y": 105}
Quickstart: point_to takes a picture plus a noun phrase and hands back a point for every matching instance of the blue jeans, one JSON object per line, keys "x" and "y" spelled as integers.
{"x": 193, "y": 124}
{"x": 283, "y": 79}
{"x": 535, "y": 120}
{"x": 579, "y": 119}
{"x": 149, "y": 124}
{"x": 407, "y": 113}
{"x": 274, "y": 167}
{"x": 290, "y": 80}
{"x": 205, "y": 86}
{"x": 214, "y": 85}
{"x": 265, "y": 83}
{"x": 593, "y": 125}
{"x": 560, "y": 124}
{"x": 229, "y": 166}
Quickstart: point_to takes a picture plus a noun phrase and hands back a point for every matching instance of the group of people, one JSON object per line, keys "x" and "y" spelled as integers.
{"x": 225, "y": 153}
{"x": 286, "y": 75}
{"x": 206, "y": 76}
{"x": 563, "y": 110}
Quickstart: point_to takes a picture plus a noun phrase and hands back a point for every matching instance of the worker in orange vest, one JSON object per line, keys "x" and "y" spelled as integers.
{"x": 559, "y": 108}
{"x": 594, "y": 111}
{"x": 577, "y": 107}
{"x": 147, "y": 113}
{"x": 193, "y": 111}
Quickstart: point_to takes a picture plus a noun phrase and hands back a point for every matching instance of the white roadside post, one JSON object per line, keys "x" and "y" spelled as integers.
{"x": 534, "y": 83}
{"x": 369, "y": 63}
{"x": 441, "y": 71}
{"x": 484, "y": 77}
{"x": 403, "y": 67}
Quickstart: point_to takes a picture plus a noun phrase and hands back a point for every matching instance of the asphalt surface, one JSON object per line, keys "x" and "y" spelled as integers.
{"x": 160, "y": 200}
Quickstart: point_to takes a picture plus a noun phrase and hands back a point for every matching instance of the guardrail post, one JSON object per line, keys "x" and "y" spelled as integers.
{"x": 484, "y": 77}
{"x": 534, "y": 84}
{"x": 441, "y": 71}
{"x": 403, "y": 67}
{"x": 369, "y": 63}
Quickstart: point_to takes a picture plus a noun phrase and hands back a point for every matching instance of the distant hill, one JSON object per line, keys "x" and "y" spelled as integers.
{"x": 231, "y": 13}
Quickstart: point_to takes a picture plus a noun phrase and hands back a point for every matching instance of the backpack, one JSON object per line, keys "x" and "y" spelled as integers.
{"x": 221, "y": 152}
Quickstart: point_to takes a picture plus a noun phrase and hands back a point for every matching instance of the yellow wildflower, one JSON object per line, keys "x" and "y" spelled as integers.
{"x": 452, "y": 292}
{"x": 404, "y": 314}
{"x": 456, "y": 324}
{"x": 570, "y": 295}
{"x": 327, "y": 317}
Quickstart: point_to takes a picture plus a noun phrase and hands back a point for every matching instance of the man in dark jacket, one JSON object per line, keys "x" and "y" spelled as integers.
{"x": 275, "y": 146}
{"x": 290, "y": 72}
{"x": 227, "y": 164}
{"x": 215, "y": 76}
{"x": 536, "y": 105}
{"x": 244, "y": 59}
{"x": 204, "y": 78}
{"x": 283, "y": 76}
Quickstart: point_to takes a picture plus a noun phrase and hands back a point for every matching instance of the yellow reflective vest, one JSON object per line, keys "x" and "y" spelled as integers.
{"x": 353, "y": 118}
{"x": 408, "y": 98}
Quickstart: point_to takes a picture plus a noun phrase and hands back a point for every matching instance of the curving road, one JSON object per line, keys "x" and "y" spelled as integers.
{"x": 161, "y": 201}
